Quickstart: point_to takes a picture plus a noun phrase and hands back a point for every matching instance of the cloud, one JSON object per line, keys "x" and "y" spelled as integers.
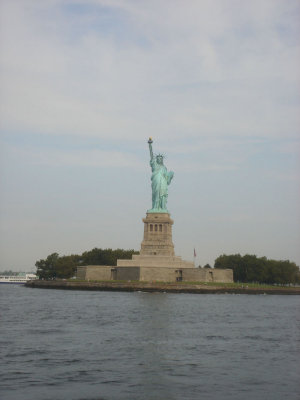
{"x": 115, "y": 68}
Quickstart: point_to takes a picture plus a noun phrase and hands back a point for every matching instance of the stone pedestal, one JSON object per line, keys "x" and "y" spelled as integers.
{"x": 157, "y": 235}
{"x": 157, "y": 248}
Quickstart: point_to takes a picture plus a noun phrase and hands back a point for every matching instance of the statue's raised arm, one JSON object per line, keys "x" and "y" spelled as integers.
{"x": 160, "y": 178}
{"x": 150, "y": 141}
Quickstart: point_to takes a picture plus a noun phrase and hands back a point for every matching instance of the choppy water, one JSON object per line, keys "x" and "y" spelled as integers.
{"x": 101, "y": 346}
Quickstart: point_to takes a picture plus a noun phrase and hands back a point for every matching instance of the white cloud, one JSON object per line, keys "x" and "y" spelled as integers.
{"x": 203, "y": 68}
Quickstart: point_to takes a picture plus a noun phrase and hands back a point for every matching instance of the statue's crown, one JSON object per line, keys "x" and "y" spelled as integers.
{"x": 159, "y": 155}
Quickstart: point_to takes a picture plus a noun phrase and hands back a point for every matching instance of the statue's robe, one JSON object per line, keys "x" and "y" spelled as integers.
{"x": 160, "y": 178}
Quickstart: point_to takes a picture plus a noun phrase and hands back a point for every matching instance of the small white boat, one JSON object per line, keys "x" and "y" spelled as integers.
{"x": 17, "y": 278}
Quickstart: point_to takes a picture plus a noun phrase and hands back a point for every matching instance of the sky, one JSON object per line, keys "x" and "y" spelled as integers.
{"x": 84, "y": 83}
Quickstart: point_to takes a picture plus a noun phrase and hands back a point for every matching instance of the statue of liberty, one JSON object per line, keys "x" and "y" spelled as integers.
{"x": 160, "y": 178}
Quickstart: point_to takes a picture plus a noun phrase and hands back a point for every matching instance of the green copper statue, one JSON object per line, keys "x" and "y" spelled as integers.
{"x": 160, "y": 178}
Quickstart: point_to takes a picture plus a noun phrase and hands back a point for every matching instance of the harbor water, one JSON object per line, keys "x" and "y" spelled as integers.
{"x": 82, "y": 345}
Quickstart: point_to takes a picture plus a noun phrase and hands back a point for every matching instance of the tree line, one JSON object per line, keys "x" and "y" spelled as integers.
{"x": 250, "y": 268}
{"x": 247, "y": 268}
{"x": 55, "y": 266}
{"x": 9, "y": 272}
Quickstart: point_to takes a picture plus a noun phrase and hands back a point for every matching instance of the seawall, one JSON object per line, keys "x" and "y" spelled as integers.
{"x": 160, "y": 287}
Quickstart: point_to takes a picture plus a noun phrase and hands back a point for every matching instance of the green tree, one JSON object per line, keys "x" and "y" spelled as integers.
{"x": 250, "y": 268}
{"x": 65, "y": 267}
{"x": 46, "y": 268}
{"x": 105, "y": 256}
{"x": 9, "y": 272}
{"x": 231, "y": 262}
{"x": 55, "y": 266}
{"x": 282, "y": 272}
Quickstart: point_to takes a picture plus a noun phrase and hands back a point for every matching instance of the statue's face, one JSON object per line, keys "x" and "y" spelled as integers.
{"x": 159, "y": 159}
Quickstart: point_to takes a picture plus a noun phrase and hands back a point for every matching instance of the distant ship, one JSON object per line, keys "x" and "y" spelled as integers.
{"x": 17, "y": 278}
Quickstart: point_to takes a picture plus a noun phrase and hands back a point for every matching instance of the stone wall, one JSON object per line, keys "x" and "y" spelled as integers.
{"x": 207, "y": 275}
{"x": 98, "y": 273}
{"x": 158, "y": 274}
{"x": 128, "y": 273}
{"x": 81, "y": 273}
{"x": 194, "y": 275}
{"x": 222, "y": 275}
{"x": 105, "y": 273}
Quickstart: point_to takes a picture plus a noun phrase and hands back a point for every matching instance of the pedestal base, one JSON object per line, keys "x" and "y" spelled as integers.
{"x": 157, "y": 235}
{"x": 157, "y": 248}
{"x": 155, "y": 262}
